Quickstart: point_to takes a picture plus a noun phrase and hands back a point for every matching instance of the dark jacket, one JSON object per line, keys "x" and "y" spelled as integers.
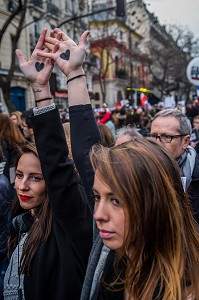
{"x": 193, "y": 190}
{"x": 58, "y": 268}
{"x": 5, "y": 192}
{"x": 84, "y": 134}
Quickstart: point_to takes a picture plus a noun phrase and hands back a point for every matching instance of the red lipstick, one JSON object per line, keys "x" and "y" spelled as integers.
{"x": 24, "y": 197}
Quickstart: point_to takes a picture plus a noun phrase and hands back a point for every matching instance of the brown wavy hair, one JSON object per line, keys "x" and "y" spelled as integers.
{"x": 42, "y": 223}
{"x": 161, "y": 248}
{"x": 107, "y": 138}
{"x": 10, "y": 132}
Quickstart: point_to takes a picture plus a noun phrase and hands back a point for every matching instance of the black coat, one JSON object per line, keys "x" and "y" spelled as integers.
{"x": 58, "y": 268}
{"x": 193, "y": 190}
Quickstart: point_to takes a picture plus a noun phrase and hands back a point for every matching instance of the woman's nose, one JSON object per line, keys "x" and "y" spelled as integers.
{"x": 101, "y": 211}
{"x": 24, "y": 184}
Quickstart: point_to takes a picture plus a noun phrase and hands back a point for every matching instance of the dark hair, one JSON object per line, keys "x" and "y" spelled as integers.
{"x": 26, "y": 116}
{"x": 9, "y": 132}
{"x": 41, "y": 227}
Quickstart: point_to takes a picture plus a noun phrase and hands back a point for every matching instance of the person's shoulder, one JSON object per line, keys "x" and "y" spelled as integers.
{"x": 196, "y": 168}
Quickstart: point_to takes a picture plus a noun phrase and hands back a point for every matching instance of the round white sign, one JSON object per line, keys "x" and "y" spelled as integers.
{"x": 193, "y": 71}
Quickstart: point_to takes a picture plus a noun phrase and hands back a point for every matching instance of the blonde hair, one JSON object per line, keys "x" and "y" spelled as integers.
{"x": 66, "y": 127}
{"x": 18, "y": 116}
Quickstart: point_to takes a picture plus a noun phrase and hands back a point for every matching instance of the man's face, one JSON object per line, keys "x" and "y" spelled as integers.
{"x": 196, "y": 123}
{"x": 170, "y": 126}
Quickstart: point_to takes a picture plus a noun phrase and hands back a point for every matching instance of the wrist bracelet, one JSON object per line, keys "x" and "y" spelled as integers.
{"x": 43, "y": 99}
{"x": 74, "y": 78}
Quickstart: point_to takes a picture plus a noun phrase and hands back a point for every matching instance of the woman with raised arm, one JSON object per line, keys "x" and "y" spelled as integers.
{"x": 147, "y": 225}
{"x": 52, "y": 224}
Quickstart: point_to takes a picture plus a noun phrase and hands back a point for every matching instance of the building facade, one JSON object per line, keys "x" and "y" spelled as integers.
{"x": 37, "y": 15}
{"x": 126, "y": 53}
{"x": 120, "y": 64}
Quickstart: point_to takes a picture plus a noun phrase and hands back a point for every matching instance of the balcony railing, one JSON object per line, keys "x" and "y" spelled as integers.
{"x": 122, "y": 74}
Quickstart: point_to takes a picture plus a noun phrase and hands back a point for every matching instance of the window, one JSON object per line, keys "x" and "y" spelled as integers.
{"x": 97, "y": 96}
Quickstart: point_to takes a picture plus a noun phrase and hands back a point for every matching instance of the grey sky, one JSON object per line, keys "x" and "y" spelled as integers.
{"x": 180, "y": 12}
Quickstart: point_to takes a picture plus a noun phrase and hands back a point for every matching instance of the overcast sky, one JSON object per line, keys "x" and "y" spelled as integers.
{"x": 180, "y": 12}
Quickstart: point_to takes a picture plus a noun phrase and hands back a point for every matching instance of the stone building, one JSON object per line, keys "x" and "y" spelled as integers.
{"x": 167, "y": 58}
{"x": 37, "y": 15}
{"x": 115, "y": 47}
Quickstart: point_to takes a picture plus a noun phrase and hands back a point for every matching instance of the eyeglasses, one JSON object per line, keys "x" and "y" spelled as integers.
{"x": 165, "y": 138}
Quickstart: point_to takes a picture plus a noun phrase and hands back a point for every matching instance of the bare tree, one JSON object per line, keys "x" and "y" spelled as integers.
{"x": 168, "y": 67}
{"x": 170, "y": 60}
{"x": 189, "y": 46}
{"x": 185, "y": 39}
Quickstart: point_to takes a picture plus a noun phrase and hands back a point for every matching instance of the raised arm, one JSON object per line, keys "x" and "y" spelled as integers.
{"x": 84, "y": 132}
{"x": 37, "y": 70}
{"x": 48, "y": 130}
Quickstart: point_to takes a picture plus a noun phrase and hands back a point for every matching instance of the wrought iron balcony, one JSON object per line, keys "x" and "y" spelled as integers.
{"x": 122, "y": 74}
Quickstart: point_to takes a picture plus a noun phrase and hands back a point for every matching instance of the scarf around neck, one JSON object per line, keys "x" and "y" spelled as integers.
{"x": 187, "y": 163}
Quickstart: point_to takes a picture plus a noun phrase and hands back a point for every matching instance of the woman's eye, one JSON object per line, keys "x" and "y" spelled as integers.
{"x": 96, "y": 197}
{"x": 18, "y": 175}
{"x": 116, "y": 202}
{"x": 35, "y": 178}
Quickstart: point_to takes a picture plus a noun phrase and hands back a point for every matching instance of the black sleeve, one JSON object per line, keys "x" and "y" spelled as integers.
{"x": 58, "y": 170}
{"x": 84, "y": 134}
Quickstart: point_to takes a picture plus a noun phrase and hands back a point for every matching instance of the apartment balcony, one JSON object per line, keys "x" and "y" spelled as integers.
{"x": 122, "y": 74}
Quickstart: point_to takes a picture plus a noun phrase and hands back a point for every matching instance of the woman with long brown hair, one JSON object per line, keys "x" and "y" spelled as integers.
{"x": 144, "y": 217}
{"x": 52, "y": 222}
{"x": 15, "y": 116}
{"x": 10, "y": 139}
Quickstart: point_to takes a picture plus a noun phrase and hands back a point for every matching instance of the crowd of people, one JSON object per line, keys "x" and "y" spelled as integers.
{"x": 105, "y": 208}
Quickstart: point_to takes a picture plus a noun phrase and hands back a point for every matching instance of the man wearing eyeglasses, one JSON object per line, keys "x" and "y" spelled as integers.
{"x": 172, "y": 129}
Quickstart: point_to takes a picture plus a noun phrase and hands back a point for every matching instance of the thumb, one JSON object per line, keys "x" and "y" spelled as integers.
{"x": 83, "y": 38}
{"x": 20, "y": 57}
